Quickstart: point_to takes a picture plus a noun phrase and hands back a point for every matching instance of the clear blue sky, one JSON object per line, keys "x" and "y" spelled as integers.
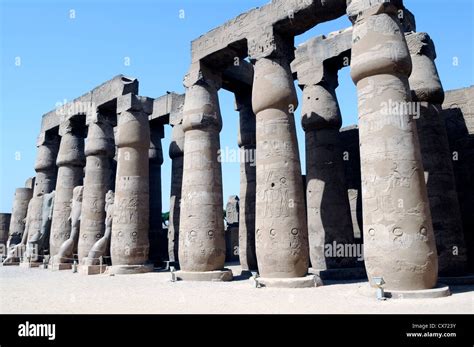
{"x": 63, "y": 57}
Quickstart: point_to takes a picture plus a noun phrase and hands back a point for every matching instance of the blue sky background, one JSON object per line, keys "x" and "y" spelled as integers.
{"x": 63, "y": 57}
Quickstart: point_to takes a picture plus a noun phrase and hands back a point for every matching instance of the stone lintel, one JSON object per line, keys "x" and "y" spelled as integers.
{"x": 291, "y": 17}
{"x": 315, "y": 55}
{"x": 99, "y": 96}
{"x": 133, "y": 102}
{"x": 238, "y": 77}
{"x": 167, "y": 108}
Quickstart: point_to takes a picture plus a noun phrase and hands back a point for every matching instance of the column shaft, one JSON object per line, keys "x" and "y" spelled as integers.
{"x": 328, "y": 208}
{"x": 437, "y": 160}
{"x": 247, "y": 141}
{"x": 129, "y": 243}
{"x": 71, "y": 163}
{"x": 280, "y": 219}
{"x": 99, "y": 179}
{"x": 19, "y": 212}
{"x": 156, "y": 237}
{"x": 201, "y": 233}
{"x": 176, "y": 152}
{"x": 399, "y": 242}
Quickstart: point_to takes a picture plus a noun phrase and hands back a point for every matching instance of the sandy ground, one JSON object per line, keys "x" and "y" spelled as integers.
{"x": 42, "y": 291}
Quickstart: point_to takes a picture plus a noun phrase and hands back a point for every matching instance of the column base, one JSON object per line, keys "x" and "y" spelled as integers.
{"x": 32, "y": 264}
{"x": 352, "y": 273}
{"x": 92, "y": 269}
{"x": 440, "y": 291}
{"x": 223, "y": 275}
{"x": 13, "y": 263}
{"x": 457, "y": 280}
{"x": 309, "y": 281}
{"x": 247, "y": 273}
{"x": 128, "y": 269}
{"x": 60, "y": 266}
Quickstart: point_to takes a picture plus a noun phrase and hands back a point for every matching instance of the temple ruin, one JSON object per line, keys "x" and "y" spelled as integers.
{"x": 399, "y": 183}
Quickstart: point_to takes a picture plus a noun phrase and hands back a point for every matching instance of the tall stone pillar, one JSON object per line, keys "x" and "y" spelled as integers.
{"x": 156, "y": 237}
{"x": 129, "y": 245}
{"x": 201, "y": 234}
{"x": 328, "y": 208}
{"x": 280, "y": 218}
{"x": 176, "y": 152}
{"x": 99, "y": 179}
{"x": 19, "y": 211}
{"x": 246, "y": 142}
{"x": 428, "y": 92}
{"x": 45, "y": 181}
{"x": 399, "y": 243}
{"x": 70, "y": 162}
{"x": 4, "y": 230}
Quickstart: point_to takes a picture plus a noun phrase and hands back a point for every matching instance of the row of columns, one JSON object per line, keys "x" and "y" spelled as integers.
{"x": 281, "y": 232}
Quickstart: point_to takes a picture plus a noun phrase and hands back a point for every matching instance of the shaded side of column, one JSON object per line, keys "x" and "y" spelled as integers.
{"x": 176, "y": 152}
{"x": 328, "y": 209}
{"x": 70, "y": 162}
{"x": 4, "y": 229}
{"x": 247, "y": 142}
{"x": 98, "y": 180}
{"x": 280, "y": 218}
{"x": 158, "y": 240}
{"x": 399, "y": 243}
{"x": 129, "y": 245}
{"x": 428, "y": 92}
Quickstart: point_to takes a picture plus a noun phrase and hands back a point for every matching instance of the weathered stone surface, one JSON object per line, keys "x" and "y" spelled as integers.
{"x": 280, "y": 221}
{"x": 19, "y": 211}
{"x": 66, "y": 251}
{"x": 458, "y": 114}
{"x": 129, "y": 243}
{"x": 428, "y": 92}
{"x": 247, "y": 142}
{"x": 399, "y": 242}
{"x": 201, "y": 230}
{"x": 328, "y": 211}
{"x": 71, "y": 162}
{"x": 99, "y": 179}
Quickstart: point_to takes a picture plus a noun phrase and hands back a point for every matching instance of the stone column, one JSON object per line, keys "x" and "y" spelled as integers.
{"x": 45, "y": 181}
{"x": 328, "y": 208}
{"x": 428, "y": 92}
{"x": 156, "y": 237}
{"x": 201, "y": 233}
{"x": 129, "y": 245}
{"x": 99, "y": 179}
{"x": 176, "y": 153}
{"x": 399, "y": 243}
{"x": 19, "y": 211}
{"x": 280, "y": 219}
{"x": 4, "y": 230}
{"x": 232, "y": 230}
{"x": 70, "y": 164}
{"x": 246, "y": 142}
